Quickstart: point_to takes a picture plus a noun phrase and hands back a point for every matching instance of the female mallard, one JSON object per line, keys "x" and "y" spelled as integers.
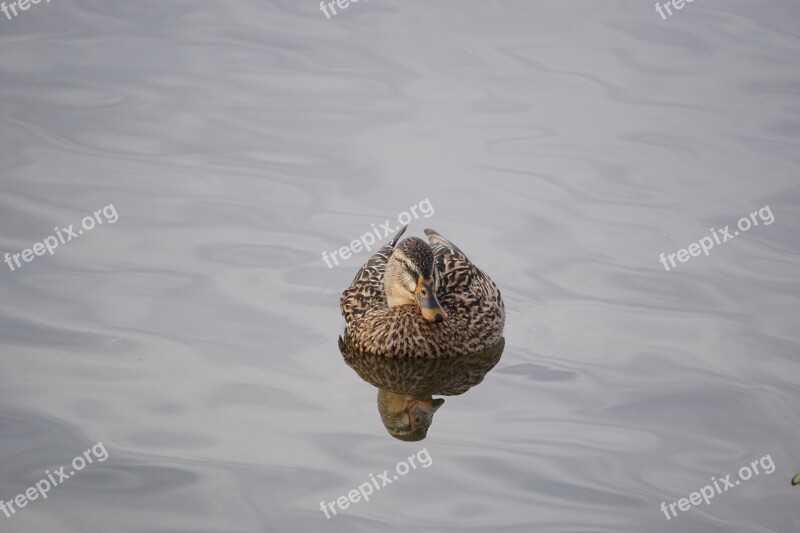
{"x": 422, "y": 300}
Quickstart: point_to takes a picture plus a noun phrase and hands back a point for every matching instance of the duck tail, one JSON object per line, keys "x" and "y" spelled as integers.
{"x": 397, "y": 235}
{"x": 436, "y": 239}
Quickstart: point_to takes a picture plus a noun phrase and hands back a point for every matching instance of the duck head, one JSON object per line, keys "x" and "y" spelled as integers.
{"x": 407, "y": 417}
{"x": 411, "y": 279}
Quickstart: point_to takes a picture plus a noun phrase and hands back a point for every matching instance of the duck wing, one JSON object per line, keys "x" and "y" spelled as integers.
{"x": 366, "y": 290}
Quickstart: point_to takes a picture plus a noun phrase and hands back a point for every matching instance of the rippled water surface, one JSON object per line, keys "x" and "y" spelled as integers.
{"x": 562, "y": 145}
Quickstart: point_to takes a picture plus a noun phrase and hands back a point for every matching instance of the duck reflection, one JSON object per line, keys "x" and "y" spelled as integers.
{"x": 406, "y": 386}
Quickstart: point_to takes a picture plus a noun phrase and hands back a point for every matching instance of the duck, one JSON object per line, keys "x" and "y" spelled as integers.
{"x": 418, "y": 299}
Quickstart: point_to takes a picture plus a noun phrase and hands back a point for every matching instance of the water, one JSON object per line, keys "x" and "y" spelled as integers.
{"x": 563, "y": 147}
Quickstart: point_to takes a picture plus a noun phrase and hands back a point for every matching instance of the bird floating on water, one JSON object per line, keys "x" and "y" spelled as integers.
{"x": 422, "y": 299}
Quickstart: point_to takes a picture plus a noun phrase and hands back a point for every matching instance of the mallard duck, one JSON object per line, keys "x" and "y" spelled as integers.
{"x": 421, "y": 299}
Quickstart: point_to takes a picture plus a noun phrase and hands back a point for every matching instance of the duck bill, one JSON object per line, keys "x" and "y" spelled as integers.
{"x": 429, "y": 306}
{"x": 423, "y": 411}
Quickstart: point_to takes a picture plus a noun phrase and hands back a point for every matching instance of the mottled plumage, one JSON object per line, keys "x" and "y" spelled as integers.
{"x": 473, "y": 308}
{"x": 446, "y": 377}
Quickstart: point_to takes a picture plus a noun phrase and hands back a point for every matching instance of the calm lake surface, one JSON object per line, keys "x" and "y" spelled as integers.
{"x": 562, "y": 145}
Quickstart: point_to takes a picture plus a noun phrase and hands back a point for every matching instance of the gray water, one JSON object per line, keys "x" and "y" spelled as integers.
{"x": 562, "y": 145}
